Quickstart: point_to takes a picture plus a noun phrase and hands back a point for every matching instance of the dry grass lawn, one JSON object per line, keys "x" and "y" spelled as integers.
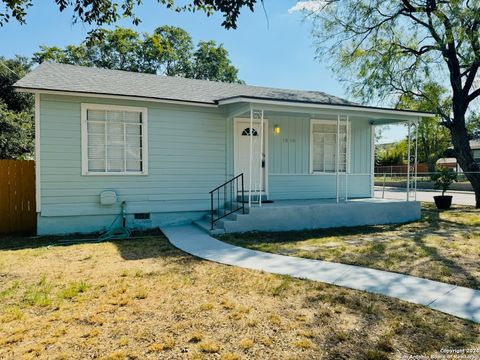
{"x": 143, "y": 299}
{"x": 443, "y": 245}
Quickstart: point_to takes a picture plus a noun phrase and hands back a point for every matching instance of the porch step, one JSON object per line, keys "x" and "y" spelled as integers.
{"x": 234, "y": 216}
{"x": 255, "y": 198}
{"x": 205, "y": 224}
{"x": 222, "y": 224}
{"x": 228, "y": 207}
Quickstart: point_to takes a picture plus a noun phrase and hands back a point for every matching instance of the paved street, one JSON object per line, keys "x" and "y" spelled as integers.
{"x": 459, "y": 197}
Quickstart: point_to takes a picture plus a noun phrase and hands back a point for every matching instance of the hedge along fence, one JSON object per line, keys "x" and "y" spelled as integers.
{"x": 399, "y": 169}
{"x": 17, "y": 196}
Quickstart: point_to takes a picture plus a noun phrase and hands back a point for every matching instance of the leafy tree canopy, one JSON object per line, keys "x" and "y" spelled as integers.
{"x": 106, "y": 12}
{"x": 211, "y": 62}
{"x": 12, "y": 70}
{"x": 433, "y": 138}
{"x": 16, "y": 111}
{"x": 168, "y": 50}
{"x": 16, "y": 133}
{"x": 389, "y": 49}
{"x": 473, "y": 125}
{"x": 391, "y": 154}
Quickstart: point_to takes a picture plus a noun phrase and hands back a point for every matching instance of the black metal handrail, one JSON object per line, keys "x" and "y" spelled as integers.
{"x": 231, "y": 190}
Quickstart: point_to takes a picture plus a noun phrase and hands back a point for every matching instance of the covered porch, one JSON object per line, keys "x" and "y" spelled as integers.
{"x": 306, "y": 166}
{"x": 303, "y": 151}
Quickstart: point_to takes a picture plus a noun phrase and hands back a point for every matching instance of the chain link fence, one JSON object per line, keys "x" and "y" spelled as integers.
{"x": 393, "y": 185}
{"x": 424, "y": 180}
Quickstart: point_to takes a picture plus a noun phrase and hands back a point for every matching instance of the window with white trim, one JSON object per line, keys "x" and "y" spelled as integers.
{"x": 114, "y": 140}
{"x": 324, "y": 146}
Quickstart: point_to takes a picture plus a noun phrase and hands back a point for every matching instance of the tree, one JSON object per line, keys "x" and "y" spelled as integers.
{"x": 168, "y": 50}
{"x": 391, "y": 154}
{"x": 433, "y": 138}
{"x": 211, "y": 62}
{"x": 473, "y": 125}
{"x": 12, "y": 70}
{"x": 16, "y": 111}
{"x": 119, "y": 49}
{"x": 174, "y": 46}
{"x": 392, "y": 48}
{"x": 16, "y": 133}
{"x": 107, "y": 12}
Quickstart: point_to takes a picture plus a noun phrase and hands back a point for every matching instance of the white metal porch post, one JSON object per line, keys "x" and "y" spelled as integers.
{"x": 408, "y": 162}
{"x": 261, "y": 160}
{"x": 347, "y": 155}
{"x": 337, "y": 155}
{"x": 372, "y": 159}
{"x": 416, "y": 157}
{"x": 251, "y": 158}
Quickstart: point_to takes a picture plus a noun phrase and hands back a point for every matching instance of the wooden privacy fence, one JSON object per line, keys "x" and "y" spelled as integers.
{"x": 17, "y": 196}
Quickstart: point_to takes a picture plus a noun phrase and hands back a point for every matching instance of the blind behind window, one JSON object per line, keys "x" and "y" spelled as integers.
{"x": 114, "y": 141}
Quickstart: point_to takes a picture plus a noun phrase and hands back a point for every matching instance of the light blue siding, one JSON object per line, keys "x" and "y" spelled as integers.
{"x": 283, "y": 187}
{"x": 190, "y": 152}
{"x": 186, "y": 159}
{"x": 290, "y": 150}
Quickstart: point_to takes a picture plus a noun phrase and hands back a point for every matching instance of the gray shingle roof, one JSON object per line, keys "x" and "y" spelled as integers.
{"x": 70, "y": 78}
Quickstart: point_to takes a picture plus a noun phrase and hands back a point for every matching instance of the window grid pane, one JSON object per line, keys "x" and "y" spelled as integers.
{"x": 114, "y": 141}
{"x": 324, "y": 148}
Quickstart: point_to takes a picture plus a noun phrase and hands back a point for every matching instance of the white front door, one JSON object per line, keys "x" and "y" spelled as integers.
{"x": 242, "y": 154}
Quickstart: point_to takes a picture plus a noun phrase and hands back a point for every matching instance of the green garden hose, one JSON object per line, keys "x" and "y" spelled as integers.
{"x": 112, "y": 232}
{"x": 117, "y": 233}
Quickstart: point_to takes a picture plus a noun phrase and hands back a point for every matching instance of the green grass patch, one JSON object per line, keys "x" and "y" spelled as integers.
{"x": 72, "y": 290}
{"x": 39, "y": 293}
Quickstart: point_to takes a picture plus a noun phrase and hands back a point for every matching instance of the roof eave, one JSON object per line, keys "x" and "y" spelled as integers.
{"x": 35, "y": 90}
{"x": 347, "y": 107}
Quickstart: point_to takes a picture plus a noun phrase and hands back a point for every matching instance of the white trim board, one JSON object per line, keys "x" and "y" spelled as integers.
{"x": 372, "y": 161}
{"x": 345, "y": 108}
{"x": 38, "y": 188}
{"x": 84, "y": 138}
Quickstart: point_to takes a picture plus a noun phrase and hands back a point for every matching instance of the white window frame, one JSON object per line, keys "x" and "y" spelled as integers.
{"x": 84, "y": 108}
{"x": 347, "y": 150}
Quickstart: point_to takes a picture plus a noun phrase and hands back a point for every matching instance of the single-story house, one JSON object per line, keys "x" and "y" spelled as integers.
{"x": 172, "y": 150}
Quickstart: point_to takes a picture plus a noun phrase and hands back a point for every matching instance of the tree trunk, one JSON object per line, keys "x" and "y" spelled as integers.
{"x": 464, "y": 155}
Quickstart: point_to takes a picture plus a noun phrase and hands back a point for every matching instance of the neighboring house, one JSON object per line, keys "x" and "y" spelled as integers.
{"x": 451, "y": 163}
{"x": 161, "y": 144}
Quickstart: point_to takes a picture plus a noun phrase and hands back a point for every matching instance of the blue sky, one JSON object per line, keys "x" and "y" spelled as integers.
{"x": 277, "y": 52}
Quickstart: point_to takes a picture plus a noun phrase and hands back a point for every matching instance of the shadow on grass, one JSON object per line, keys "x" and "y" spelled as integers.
{"x": 255, "y": 237}
{"x": 150, "y": 245}
{"x": 433, "y": 218}
{"x": 141, "y": 245}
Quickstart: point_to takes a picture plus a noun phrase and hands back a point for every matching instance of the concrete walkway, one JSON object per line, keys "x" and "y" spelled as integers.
{"x": 455, "y": 300}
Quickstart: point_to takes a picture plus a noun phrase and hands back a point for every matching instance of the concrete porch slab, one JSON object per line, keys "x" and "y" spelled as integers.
{"x": 287, "y": 215}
